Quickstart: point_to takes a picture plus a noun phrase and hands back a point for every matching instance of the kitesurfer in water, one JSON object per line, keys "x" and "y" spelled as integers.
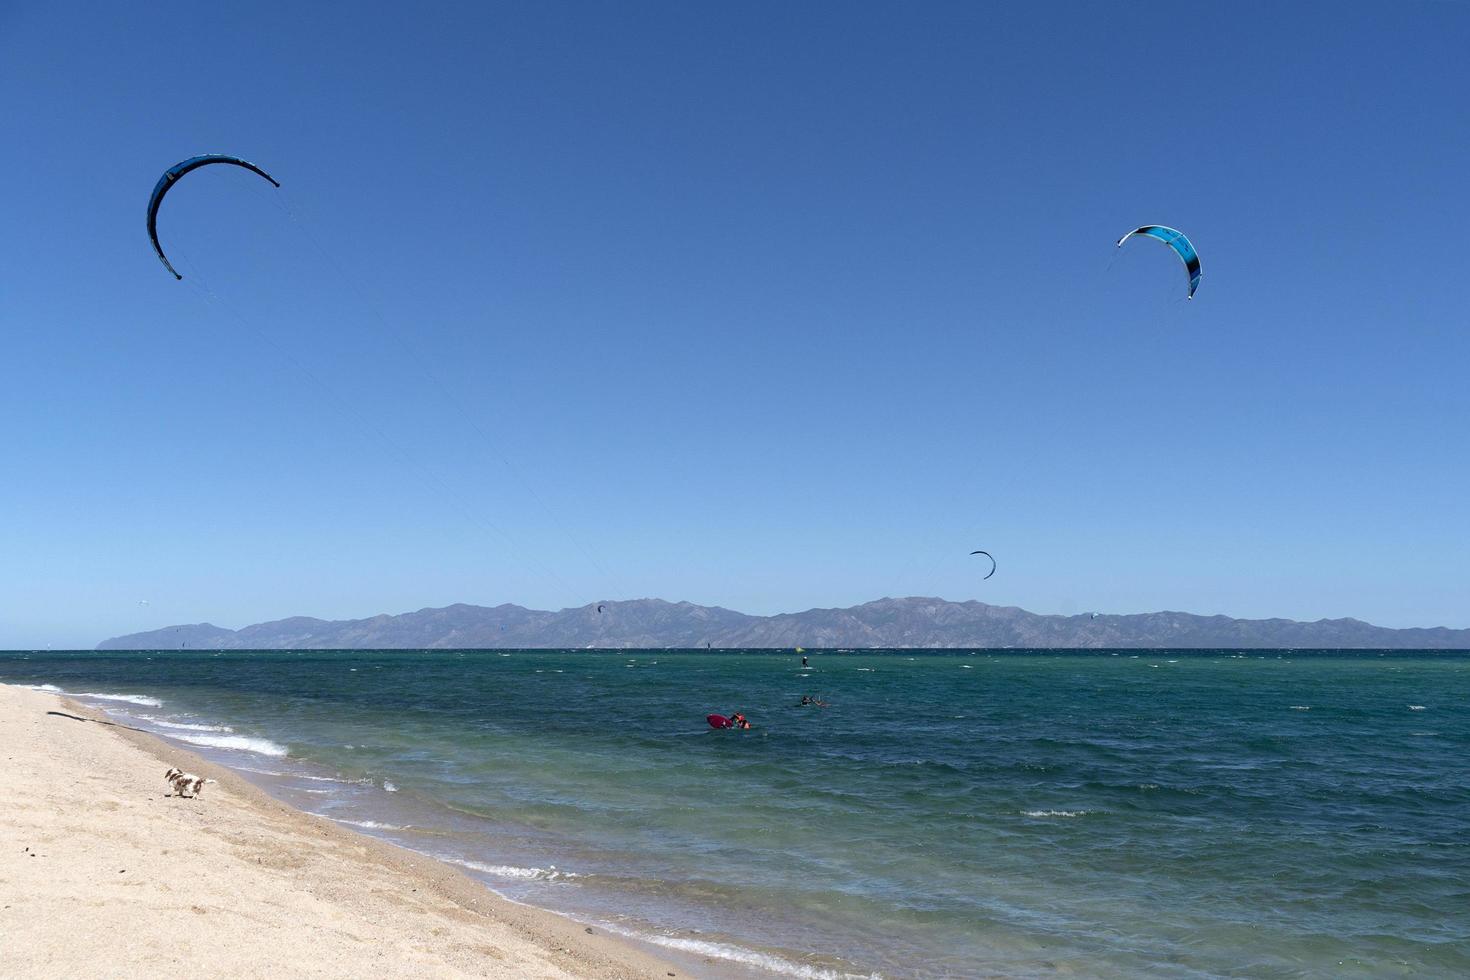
{"x": 737, "y": 720}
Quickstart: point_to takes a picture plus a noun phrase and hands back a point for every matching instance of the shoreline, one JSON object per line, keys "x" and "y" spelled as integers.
{"x": 235, "y": 883}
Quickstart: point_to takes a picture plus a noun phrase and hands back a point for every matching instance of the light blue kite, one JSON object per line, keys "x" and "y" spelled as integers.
{"x": 1180, "y": 244}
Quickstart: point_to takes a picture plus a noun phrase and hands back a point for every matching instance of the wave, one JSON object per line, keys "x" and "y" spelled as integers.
{"x": 326, "y": 779}
{"x": 142, "y": 699}
{"x": 1056, "y": 813}
{"x": 1301, "y": 707}
{"x": 48, "y": 688}
{"x": 736, "y": 954}
{"x": 241, "y": 743}
{"x": 184, "y": 726}
{"x": 1416, "y": 707}
{"x": 389, "y": 787}
{"x": 511, "y": 871}
{"x": 367, "y": 824}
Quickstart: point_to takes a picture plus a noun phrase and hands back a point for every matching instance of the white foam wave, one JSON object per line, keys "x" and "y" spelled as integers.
{"x": 736, "y": 954}
{"x": 240, "y": 743}
{"x": 142, "y": 699}
{"x": 371, "y": 824}
{"x": 49, "y": 688}
{"x": 511, "y": 871}
{"x": 1416, "y": 707}
{"x": 1301, "y": 707}
{"x": 1056, "y": 813}
{"x": 389, "y": 787}
{"x": 184, "y": 726}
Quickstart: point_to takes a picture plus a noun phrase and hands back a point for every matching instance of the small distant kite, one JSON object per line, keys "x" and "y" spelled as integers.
{"x": 993, "y": 565}
{"x": 599, "y": 607}
{"x": 1179, "y": 243}
{"x": 171, "y": 177}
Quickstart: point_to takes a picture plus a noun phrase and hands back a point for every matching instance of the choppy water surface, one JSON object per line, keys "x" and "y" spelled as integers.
{"x": 1173, "y": 814}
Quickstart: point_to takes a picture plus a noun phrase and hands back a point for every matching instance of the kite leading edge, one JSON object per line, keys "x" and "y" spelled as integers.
{"x": 171, "y": 177}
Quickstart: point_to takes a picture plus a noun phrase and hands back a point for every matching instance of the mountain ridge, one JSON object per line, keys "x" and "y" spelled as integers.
{"x": 914, "y": 622}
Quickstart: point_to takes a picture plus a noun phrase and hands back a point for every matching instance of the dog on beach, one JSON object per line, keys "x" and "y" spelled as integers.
{"x": 185, "y": 783}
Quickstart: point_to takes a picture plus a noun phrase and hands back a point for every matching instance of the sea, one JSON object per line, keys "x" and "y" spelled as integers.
{"x": 958, "y": 814}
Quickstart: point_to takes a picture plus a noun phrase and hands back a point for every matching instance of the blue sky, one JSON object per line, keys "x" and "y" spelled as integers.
{"x": 763, "y": 305}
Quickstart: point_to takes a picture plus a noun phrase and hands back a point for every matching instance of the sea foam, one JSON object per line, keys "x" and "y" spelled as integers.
{"x": 184, "y": 726}
{"x": 511, "y": 871}
{"x": 142, "y": 699}
{"x": 240, "y": 743}
{"x": 368, "y": 824}
{"x": 1056, "y": 813}
{"x": 736, "y": 954}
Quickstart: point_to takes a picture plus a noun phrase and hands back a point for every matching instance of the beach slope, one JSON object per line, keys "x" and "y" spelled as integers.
{"x": 102, "y": 872}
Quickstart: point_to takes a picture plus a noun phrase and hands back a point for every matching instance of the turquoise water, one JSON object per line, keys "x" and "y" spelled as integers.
{"x": 1172, "y": 814}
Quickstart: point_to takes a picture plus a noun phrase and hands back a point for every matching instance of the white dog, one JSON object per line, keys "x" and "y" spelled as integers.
{"x": 185, "y": 783}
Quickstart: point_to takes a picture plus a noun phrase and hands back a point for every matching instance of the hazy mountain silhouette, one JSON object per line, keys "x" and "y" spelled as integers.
{"x": 885, "y": 623}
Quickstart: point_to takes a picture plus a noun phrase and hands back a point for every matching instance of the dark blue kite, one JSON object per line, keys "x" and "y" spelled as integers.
{"x": 1180, "y": 244}
{"x": 987, "y": 554}
{"x": 171, "y": 176}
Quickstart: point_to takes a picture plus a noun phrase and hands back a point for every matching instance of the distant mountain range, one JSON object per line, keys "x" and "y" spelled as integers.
{"x": 886, "y": 623}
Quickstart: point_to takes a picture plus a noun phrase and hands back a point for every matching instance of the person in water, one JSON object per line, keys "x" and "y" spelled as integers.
{"x": 803, "y": 661}
{"x": 737, "y": 720}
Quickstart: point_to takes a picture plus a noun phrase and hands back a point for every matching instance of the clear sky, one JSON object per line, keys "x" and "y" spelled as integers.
{"x": 764, "y": 305}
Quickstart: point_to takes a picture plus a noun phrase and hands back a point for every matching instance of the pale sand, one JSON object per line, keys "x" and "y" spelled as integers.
{"x": 103, "y": 874}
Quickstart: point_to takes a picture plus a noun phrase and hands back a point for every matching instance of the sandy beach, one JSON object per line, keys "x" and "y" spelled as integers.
{"x": 104, "y": 873}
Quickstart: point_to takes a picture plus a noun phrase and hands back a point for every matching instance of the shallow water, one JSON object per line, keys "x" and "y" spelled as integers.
{"x": 1171, "y": 814}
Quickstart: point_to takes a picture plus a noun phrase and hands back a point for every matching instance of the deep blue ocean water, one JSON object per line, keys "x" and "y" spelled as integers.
{"x": 1186, "y": 814}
